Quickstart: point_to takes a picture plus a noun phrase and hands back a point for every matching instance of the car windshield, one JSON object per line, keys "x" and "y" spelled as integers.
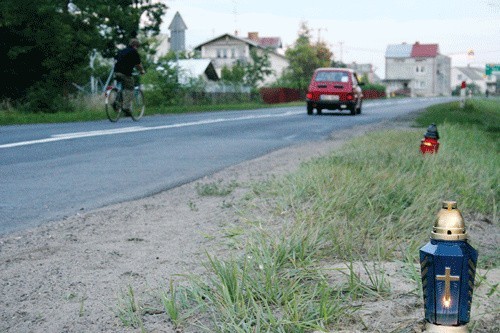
{"x": 329, "y": 76}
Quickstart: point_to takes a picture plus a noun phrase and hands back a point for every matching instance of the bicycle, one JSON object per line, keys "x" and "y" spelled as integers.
{"x": 114, "y": 101}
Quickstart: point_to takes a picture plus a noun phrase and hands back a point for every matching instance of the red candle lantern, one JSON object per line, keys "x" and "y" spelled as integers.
{"x": 430, "y": 144}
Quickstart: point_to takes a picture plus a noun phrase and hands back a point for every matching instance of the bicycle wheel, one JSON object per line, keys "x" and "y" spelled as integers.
{"x": 138, "y": 107}
{"x": 113, "y": 105}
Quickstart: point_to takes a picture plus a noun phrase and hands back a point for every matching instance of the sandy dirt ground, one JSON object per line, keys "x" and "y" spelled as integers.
{"x": 68, "y": 276}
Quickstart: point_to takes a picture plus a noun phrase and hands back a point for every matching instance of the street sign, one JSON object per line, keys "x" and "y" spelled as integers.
{"x": 492, "y": 68}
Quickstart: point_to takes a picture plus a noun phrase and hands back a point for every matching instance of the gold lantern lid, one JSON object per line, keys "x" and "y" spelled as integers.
{"x": 449, "y": 224}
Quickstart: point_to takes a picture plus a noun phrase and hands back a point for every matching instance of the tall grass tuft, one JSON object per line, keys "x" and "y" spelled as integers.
{"x": 129, "y": 311}
{"x": 170, "y": 303}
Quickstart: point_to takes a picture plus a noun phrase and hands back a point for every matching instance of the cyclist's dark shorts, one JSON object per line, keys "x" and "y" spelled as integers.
{"x": 127, "y": 81}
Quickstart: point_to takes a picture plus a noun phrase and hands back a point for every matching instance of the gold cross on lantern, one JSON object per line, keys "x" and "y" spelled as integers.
{"x": 447, "y": 278}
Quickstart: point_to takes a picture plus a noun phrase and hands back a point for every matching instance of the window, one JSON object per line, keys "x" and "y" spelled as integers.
{"x": 221, "y": 53}
{"x": 420, "y": 84}
{"x": 332, "y": 77}
{"x": 233, "y": 53}
{"x": 420, "y": 69}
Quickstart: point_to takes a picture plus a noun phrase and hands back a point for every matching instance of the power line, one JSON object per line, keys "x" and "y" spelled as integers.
{"x": 478, "y": 52}
{"x": 344, "y": 46}
{"x": 365, "y": 50}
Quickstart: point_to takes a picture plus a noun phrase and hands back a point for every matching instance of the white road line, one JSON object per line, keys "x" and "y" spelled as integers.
{"x": 77, "y": 135}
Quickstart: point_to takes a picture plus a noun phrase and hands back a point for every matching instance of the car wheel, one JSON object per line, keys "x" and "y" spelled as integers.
{"x": 309, "y": 109}
{"x": 318, "y": 110}
{"x": 353, "y": 110}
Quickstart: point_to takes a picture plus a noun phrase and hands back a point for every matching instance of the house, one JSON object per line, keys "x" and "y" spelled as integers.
{"x": 162, "y": 45}
{"x": 227, "y": 50}
{"x": 473, "y": 75}
{"x": 417, "y": 70}
{"x": 195, "y": 69}
{"x": 365, "y": 70}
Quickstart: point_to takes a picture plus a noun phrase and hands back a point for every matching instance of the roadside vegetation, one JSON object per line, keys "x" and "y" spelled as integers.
{"x": 316, "y": 240}
{"x": 91, "y": 108}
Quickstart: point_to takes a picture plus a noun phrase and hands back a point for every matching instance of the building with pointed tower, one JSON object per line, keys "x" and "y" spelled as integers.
{"x": 176, "y": 42}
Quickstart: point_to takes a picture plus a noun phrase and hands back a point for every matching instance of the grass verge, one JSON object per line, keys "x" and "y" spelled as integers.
{"x": 92, "y": 109}
{"x": 371, "y": 202}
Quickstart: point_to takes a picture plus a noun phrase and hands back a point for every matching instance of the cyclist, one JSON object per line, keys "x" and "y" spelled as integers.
{"x": 126, "y": 60}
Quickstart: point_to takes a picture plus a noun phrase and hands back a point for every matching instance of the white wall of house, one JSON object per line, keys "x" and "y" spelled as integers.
{"x": 399, "y": 68}
{"x": 429, "y": 76}
{"x": 163, "y": 45}
{"x": 227, "y": 51}
{"x": 442, "y": 74}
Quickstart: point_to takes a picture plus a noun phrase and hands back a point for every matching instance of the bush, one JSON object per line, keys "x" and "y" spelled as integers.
{"x": 43, "y": 97}
{"x": 375, "y": 87}
{"x": 161, "y": 86}
{"x": 470, "y": 87}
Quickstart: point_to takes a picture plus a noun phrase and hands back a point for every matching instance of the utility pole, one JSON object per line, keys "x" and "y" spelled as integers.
{"x": 319, "y": 33}
{"x": 93, "y": 82}
{"x": 341, "y": 51}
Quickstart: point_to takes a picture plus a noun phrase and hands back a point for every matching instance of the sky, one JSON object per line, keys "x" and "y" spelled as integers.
{"x": 356, "y": 31}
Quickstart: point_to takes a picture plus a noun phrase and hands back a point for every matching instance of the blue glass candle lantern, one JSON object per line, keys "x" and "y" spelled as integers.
{"x": 448, "y": 267}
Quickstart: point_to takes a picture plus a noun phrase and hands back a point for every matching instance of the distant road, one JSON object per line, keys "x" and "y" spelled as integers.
{"x": 50, "y": 171}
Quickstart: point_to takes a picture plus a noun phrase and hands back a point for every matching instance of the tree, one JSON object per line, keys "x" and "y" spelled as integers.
{"x": 250, "y": 73}
{"x": 233, "y": 75}
{"x": 45, "y": 45}
{"x": 164, "y": 82}
{"x": 304, "y": 57}
{"x": 257, "y": 69}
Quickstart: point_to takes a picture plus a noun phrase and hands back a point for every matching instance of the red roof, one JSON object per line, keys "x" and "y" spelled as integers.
{"x": 273, "y": 42}
{"x": 424, "y": 50}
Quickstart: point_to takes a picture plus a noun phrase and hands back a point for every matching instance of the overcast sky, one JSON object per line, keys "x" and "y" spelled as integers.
{"x": 355, "y": 30}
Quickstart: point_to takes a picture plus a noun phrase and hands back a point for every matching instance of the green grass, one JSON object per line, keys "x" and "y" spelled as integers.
{"x": 374, "y": 200}
{"x": 484, "y": 113}
{"x": 216, "y": 189}
{"x": 381, "y": 192}
{"x": 92, "y": 109}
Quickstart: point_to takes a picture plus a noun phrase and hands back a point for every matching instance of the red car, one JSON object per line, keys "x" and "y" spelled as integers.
{"x": 334, "y": 89}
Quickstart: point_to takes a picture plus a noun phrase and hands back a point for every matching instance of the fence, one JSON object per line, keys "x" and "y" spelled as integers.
{"x": 203, "y": 97}
{"x": 373, "y": 94}
{"x": 280, "y": 95}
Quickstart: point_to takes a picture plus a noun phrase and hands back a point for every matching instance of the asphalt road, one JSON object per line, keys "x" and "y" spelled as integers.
{"x": 50, "y": 171}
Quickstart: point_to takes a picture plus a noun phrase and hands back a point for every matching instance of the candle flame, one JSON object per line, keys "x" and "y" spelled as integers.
{"x": 446, "y": 302}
